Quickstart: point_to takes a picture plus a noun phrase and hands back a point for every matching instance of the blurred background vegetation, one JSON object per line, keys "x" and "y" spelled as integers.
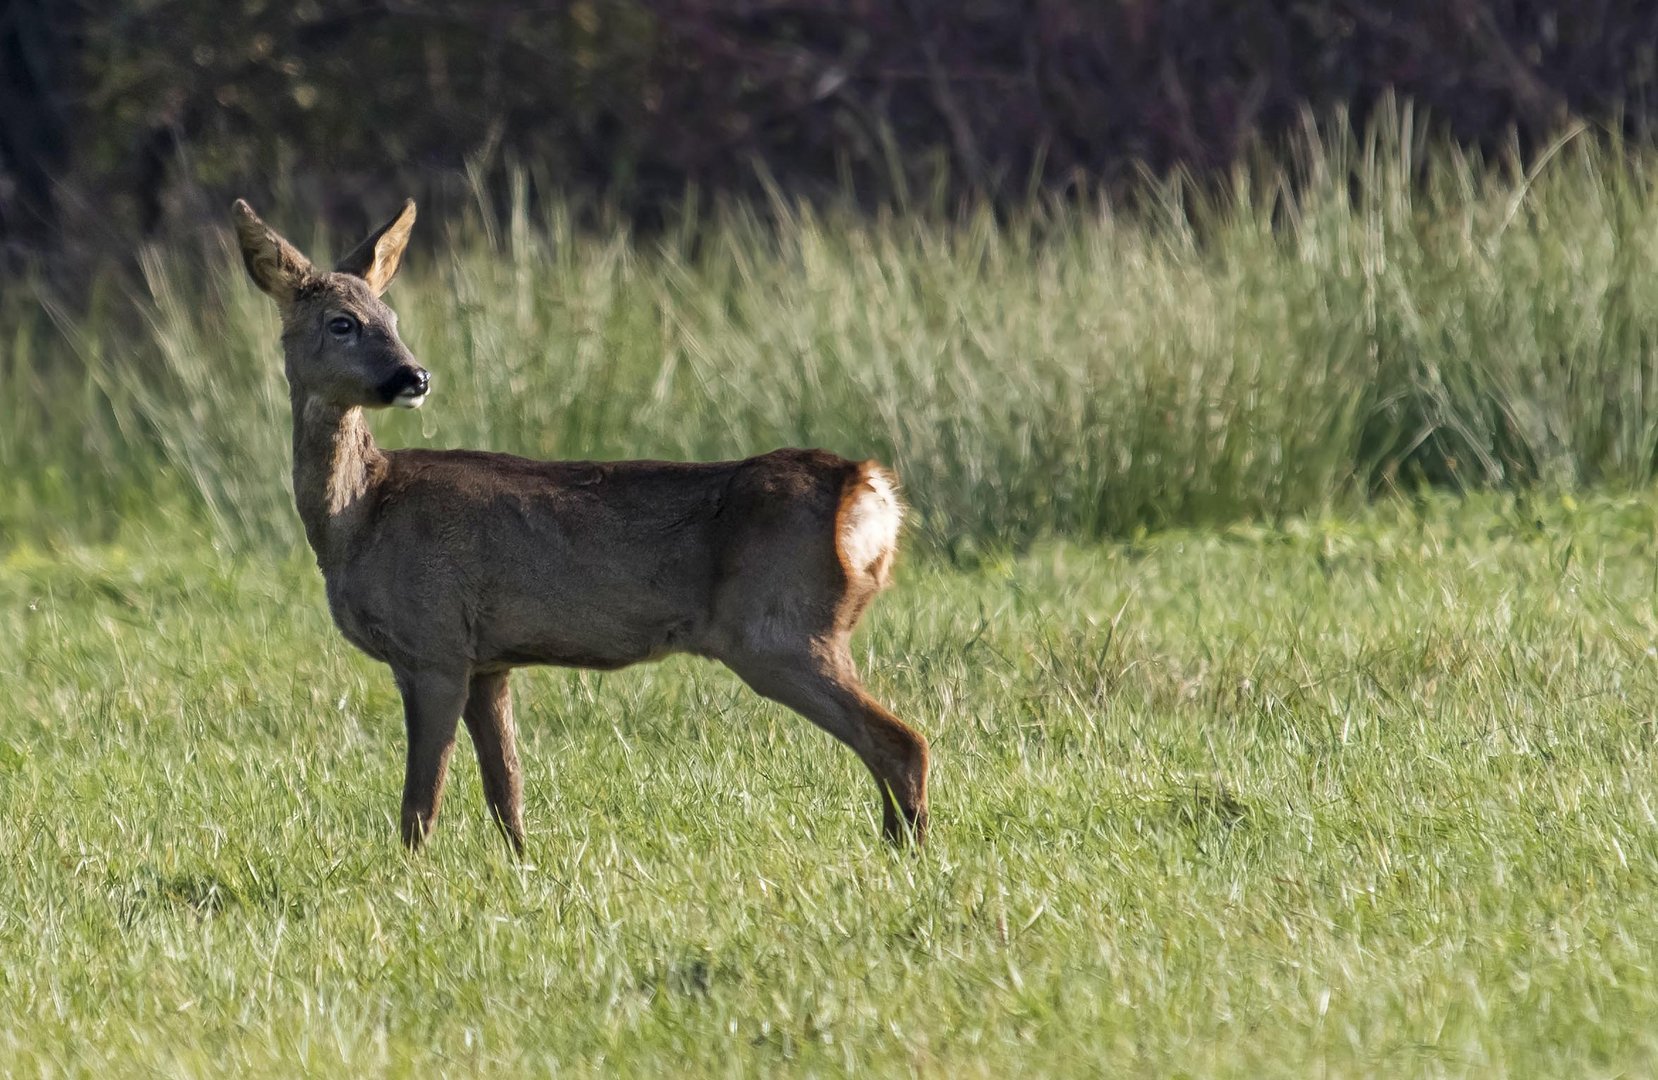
{"x": 1074, "y": 267}
{"x": 131, "y": 119}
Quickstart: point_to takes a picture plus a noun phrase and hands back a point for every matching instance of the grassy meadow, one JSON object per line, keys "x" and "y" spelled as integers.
{"x": 1346, "y": 797}
{"x": 1279, "y": 600}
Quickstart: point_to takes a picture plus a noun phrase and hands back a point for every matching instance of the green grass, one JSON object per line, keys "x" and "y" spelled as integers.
{"x": 1240, "y": 770}
{"x": 1373, "y": 314}
{"x": 1351, "y": 795}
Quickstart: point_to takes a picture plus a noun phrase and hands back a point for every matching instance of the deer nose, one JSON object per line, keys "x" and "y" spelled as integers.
{"x": 408, "y": 388}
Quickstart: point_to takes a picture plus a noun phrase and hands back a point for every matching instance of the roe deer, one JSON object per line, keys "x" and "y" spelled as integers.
{"x": 455, "y": 566}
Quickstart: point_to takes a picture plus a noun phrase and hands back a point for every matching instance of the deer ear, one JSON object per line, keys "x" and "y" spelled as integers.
{"x": 376, "y": 259}
{"x": 275, "y": 265}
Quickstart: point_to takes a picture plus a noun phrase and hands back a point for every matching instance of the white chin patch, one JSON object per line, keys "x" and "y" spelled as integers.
{"x": 409, "y": 401}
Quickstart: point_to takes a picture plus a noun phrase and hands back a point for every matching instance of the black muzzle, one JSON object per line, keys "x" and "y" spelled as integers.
{"x": 407, "y": 388}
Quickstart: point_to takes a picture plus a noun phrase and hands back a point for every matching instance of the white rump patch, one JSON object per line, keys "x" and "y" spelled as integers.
{"x": 870, "y": 522}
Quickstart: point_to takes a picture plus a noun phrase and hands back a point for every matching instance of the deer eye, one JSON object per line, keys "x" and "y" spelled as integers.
{"x": 342, "y": 325}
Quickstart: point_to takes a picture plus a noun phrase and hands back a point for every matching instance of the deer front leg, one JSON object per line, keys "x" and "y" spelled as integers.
{"x": 489, "y": 720}
{"x": 432, "y": 703}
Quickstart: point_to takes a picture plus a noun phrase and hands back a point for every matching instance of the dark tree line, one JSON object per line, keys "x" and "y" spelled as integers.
{"x": 36, "y": 50}
{"x": 121, "y": 118}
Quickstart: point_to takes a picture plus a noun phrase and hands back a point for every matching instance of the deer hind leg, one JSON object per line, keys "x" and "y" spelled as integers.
{"x": 824, "y": 688}
{"x": 488, "y": 715}
{"x": 432, "y": 703}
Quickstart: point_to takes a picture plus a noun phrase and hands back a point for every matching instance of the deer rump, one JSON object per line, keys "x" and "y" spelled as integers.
{"x": 606, "y": 564}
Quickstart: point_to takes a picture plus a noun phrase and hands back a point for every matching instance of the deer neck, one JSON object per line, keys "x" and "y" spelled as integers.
{"x": 336, "y": 469}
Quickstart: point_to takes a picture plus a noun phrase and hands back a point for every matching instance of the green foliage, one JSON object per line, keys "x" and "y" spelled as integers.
{"x": 1323, "y": 787}
{"x": 1366, "y": 320}
{"x": 147, "y": 112}
{"x": 177, "y": 98}
{"x": 1350, "y": 796}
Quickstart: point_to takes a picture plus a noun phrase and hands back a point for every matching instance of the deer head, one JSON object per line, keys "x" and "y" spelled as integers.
{"x": 339, "y": 339}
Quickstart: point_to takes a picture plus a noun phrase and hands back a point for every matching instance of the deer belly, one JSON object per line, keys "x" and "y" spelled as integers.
{"x": 598, "y": 641}
{"x": 415, "y": 628}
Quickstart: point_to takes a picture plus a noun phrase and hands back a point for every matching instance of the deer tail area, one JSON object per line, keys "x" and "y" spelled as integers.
{"x": 867, "y": 524}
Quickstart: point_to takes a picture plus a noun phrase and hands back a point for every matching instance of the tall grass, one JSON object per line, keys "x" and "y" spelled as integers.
{"x": 1358, "y": 312}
